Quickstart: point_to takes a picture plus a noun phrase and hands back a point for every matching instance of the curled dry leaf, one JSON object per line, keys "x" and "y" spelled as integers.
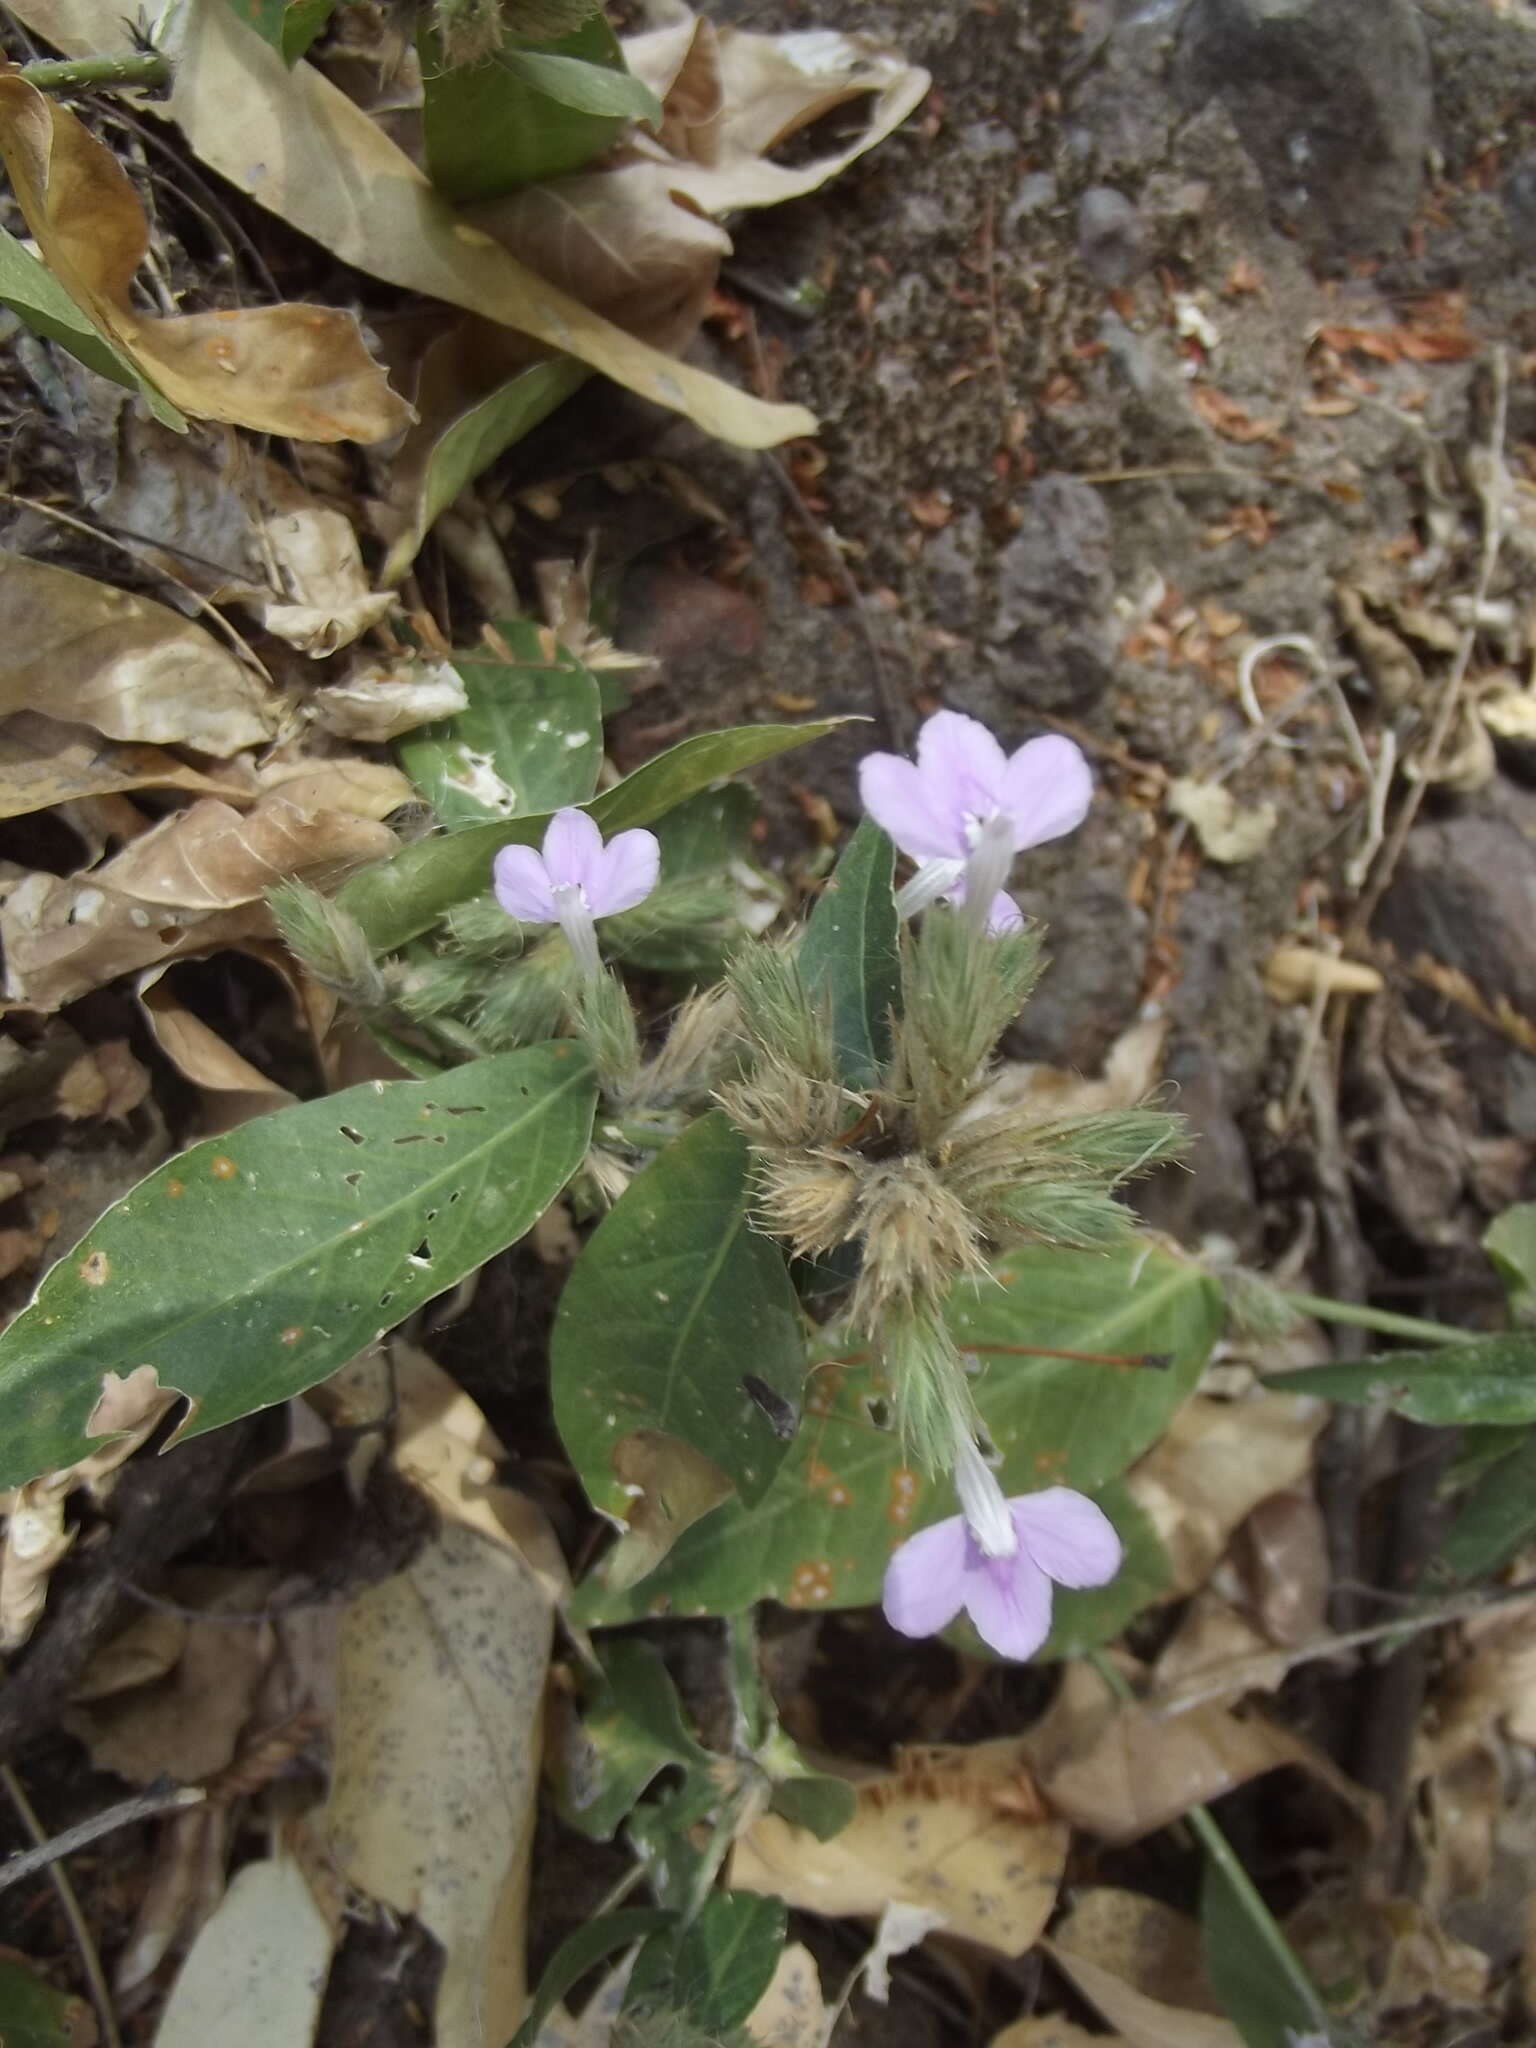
{"x": 255, "y": 1976}
{"x": 302, "y": 149}
{"x": 130, "y": 668}
{"x": 1294, "y": 974}
{"x": 381, "y": 706}
{"x": 299, "y": 370}
{"x": 1122, "y": 1772}
{"x": 958, "y": 1831}
{"x": 197, "y": 1052}
{"x": 1218, "y": 1460}
{"x": 1138, "y": 1962}
{"x": 1228, "y": 831}
{"x": 45, "y": 762}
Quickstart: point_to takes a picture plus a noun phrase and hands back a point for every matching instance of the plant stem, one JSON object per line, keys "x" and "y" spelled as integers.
{"x": 145, "y": 68}
{"x": 1219, "y": 1849}
{"x": 1384, "y": 1320}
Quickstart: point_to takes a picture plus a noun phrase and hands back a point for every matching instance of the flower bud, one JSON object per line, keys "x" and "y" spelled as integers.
{"x": 918, "y": 1239}
{"x": 809, "y": 1201}
{"x": 329, "y": 943}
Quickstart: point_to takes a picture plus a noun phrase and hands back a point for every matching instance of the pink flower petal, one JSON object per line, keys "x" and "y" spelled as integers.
{"x": 1009, "y": 1600}
{"x": 925, "y": 1581}
{"x": 522, "y": 885}
{"x": 626, "y": 872}
{"x": 1069, "y": 1537}
{"x": 1047, "y": 788}
{"x": 894, "y": 794}
{"x": 573, "y": 851}
{"x": 1004, "y": 917}
{"x": 962, "y": 766}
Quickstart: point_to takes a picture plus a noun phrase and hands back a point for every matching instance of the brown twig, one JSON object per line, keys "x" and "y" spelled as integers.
{"x": 147, "y": 1806}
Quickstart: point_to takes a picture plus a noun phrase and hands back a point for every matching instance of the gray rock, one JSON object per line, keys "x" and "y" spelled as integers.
{"x": 1333, "y": 100}
{"x": 1111, "y": 237}
{"x": 1519, "y": 196}
{"x": 1055, "y": 581}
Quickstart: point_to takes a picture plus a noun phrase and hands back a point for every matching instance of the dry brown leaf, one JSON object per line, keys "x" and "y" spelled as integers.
{"x": 44, "y": 762}
{"x": 302, "y": 371}
{"x": 210, "y": 857}
{"x": 1229, "y": 418}
{"x": 1227, "y": 830}
{"x": 184, "y": 1885}
{"x": 1138, "y": 1962}
{"x": 434, "y": 1790}
{"x": 130, "y": 668}
{"x": 792, "y": 2012}
{"x": 955, "y": 1830}
{"x": 1217, "y": 1461}
{"x": 299, "y": 147}
{"x": 1294, "y": 974}
{"x": 149, "y": 1647}
{"x": 64, "y": 937}
{"x": 1049, "y": 2031}
{"x": 256, "y": 1974}
{"x": 1212, "y": 1643}
{"x": 197, "y": 1052}
{"x": 389, "y": 701}
{"x": 674, "y": 1486}
{"x": 356, "y": 788}
{"x": 187, "y": 1725}
{"x": 1122, "y": 1772}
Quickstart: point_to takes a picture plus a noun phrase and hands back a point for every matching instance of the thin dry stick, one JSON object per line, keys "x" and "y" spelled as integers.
{"x": 90, "y": 1961}
{"x": 147, "y": 1806}
{"x": 1491, "y": 489}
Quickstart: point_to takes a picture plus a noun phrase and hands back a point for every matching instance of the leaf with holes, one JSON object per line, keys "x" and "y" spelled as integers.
{"x": 529, "y": 738}
{"x": 674, "y": 1298}
{"x": 255, "y": 1264}
{"x": 845, "y": 1497}
{"x": 849, "y": 954}
{"x": 403, "y": 895}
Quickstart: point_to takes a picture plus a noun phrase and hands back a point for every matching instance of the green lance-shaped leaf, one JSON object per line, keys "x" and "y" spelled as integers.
{"x": 849, "y": 954}
{"x": 529, "y": 739}
{"x": 674, "y": 1299}
{"x": 845, "y": 1497}
{"x": 1487, "y": 1379}
{"x": 399, "y": 897}
{"x": 1262, "y": 1984}
{"x": 1497, "y": 1516}
{"x": 255, "y": 1264}
{"x": 525, "y": 114}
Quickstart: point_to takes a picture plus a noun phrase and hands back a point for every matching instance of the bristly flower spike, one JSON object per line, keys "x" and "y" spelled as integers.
{"x": 964, "y": 808}
{"x": 576, "y": 879}
{"x": 998, "y": 1559}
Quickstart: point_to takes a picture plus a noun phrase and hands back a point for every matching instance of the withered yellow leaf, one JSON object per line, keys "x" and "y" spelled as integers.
{"x": 303, "y": 371}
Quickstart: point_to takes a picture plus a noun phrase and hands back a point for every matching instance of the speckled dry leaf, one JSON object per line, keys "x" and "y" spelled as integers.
{"x": 300, "y": 147}
{"x": 187, "y": 1726}
{"x": 255, "y": 1976}
{"x": 958, "y": 1830}
{"x": 387, "y": 702}
{"x": 434, "y": 1786}
{"x": 1122, "y": 1772}
{"x": 792, "y": 2012}
{"x": 302, "y": 371}
{"x": 64, "y": 936}
{"x": 45, "y": 762}
{"x": 1137, "y": 1961}
{"x": 1051, "y": 2032}
{"x": 132, "y": 669}
{"x": 1218, "y": 1460}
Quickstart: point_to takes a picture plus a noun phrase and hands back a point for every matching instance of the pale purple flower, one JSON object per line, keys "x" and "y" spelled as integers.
{"x": 998, "y": 1559}
{"x": 576, "y": 879}
{"x": 964, "y": 808}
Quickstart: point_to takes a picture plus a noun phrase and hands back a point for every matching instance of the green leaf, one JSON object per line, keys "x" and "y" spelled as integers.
{"x": 530, "y": 738}
{"x": 489, "y": 128}
{"x": 35, "y": 295}
{"x": 850, "y": 954}
{"x": 707, "y": 839}
{"x": 1510, "y": 1242}
{"x": 845, "y": 1497}
{"x": 255, "y": 1264}
{"x": 635, "y": 1731}
{"x": 716, "y": 1969}
{"x": 470, "y": 444}
{"x": 1497, "y": 1518}
{"x": 583, "y": 1951}
{"x": 33, "y": 2014}
{"x": 672, "y": 1300}
{"x": 287, "y": 26}
{"x": 589, "y": 88}
{"x": 399, "y": 897}
{"x": 1261, "y": 1984}
{"x": 1487, "y": 1379}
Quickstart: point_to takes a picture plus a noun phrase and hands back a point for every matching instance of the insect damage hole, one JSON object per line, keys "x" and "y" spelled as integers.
{"x": 347, "y": 1131}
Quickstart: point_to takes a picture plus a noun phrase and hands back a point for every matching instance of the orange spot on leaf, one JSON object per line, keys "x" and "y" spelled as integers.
{"x": 222, "y": 1167}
